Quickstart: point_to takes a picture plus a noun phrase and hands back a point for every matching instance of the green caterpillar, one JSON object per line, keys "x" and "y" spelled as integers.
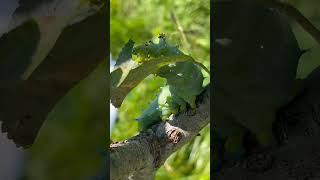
{"x": 184, "y": 82}
{"x": 152, "y": 50}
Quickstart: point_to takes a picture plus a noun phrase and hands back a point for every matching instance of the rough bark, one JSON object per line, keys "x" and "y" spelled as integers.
{"x": 299, "y": 156}
{"x": 139, "y": 157}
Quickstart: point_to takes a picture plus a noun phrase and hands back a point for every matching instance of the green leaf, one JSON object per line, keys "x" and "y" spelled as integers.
{"x": 126, "y": 53}
{"x": 135, "y": 75}
{"x": 25, "y": 104}
{"x": 17, "y": 48}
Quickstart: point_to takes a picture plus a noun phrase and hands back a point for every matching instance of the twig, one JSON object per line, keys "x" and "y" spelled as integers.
{"x": 185, "y": 41}
{"x": 180, "y": 29}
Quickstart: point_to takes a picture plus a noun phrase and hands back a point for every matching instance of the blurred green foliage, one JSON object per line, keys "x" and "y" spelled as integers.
{"x": 310, "y": 60}
{"x": 69, "y": 142}
{"x": 140, "y": 21}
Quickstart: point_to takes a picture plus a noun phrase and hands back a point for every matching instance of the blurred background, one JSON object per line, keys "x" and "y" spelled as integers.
{"x": 70, "y": 143}
{"x": 142, "y": 20}
{"x": 310, "y": 60}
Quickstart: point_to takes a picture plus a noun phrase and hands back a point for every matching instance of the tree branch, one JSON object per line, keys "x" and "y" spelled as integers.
{"x": 139, "y": 157}
{"x": 299, "y": 157}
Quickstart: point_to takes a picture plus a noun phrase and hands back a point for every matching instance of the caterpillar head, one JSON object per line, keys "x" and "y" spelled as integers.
{"x": 152, "y": 50}
{"x": 162, "y": 36}
{"x": 145, "y": 51}
{"x": 141, "y": 50}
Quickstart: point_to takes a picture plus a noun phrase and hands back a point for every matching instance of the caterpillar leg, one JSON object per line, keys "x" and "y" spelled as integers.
{"x": 265, "y": 138}
{"x": 232, "y": 132}
{"x": 181, "y": 103}
{"x": 191, "y": 100}
{"x": 166, "y": 103}
{"x": 260, "y": 123}
{"x": 234, "y": 146}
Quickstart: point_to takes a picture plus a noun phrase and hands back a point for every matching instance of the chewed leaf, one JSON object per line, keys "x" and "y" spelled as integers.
{"x": 126, "y": 53}
{"x": 25, "y": 104}
{"x": 131, "y": 79}
{"x": 123, "y": 65}
{"x": 153, "y": 56}
{"x": 121, "y": 72}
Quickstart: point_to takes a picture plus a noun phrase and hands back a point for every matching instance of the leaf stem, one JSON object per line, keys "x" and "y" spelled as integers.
{"x": 201, "y": 65}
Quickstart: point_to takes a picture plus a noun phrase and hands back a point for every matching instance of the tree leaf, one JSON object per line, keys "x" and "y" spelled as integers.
{"x": 126, "y": 53}
{"x": 135, "y": 75}
{"x": 25, "y": 104}
{"x": 15, "y": 58}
